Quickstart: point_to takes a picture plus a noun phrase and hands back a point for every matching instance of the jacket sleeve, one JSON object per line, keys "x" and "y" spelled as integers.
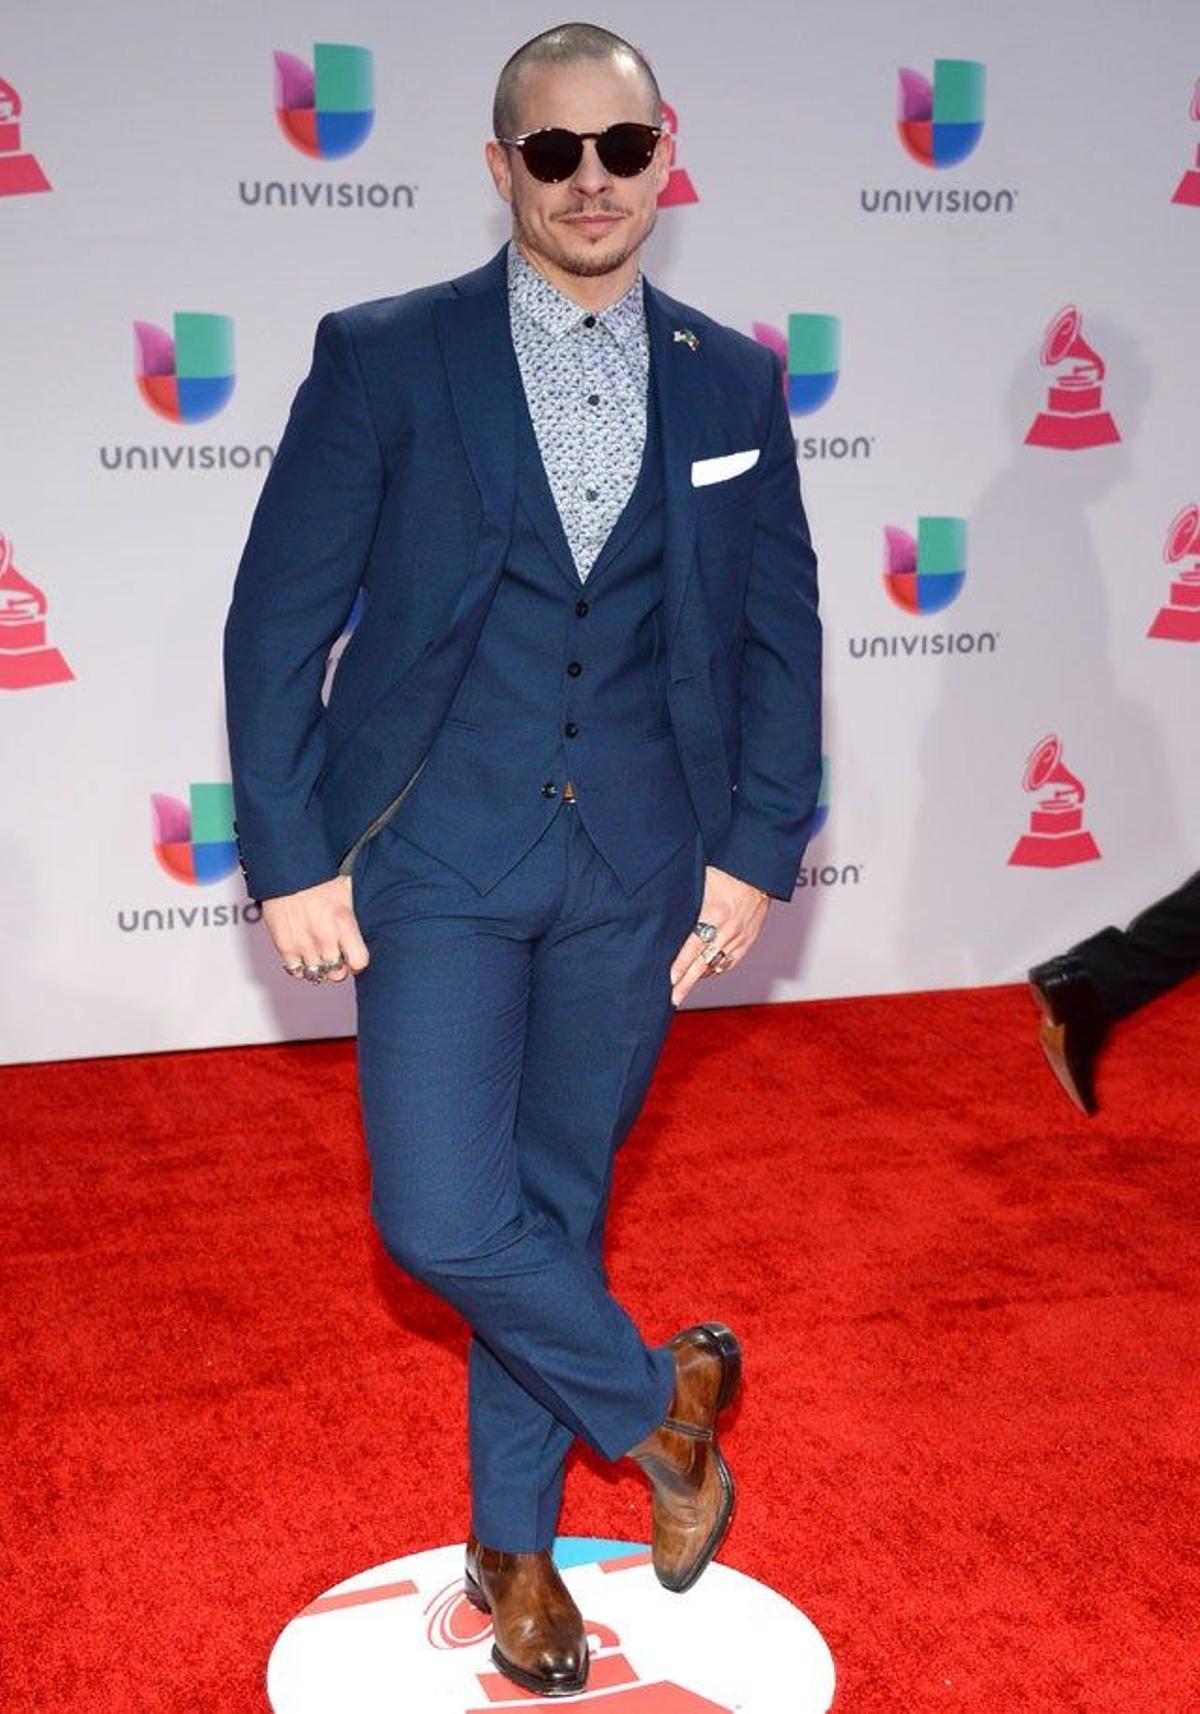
{"x": 299, "y": 572}
{"x": 780, "y": 772}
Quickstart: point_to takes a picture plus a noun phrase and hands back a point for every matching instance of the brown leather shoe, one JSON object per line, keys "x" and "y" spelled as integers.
{"x": 691, "y": 1486}
{"x": 539, "y": 1639}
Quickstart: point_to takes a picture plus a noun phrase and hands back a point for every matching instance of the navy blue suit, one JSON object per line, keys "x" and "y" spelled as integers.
{"x": 518, "y": 993}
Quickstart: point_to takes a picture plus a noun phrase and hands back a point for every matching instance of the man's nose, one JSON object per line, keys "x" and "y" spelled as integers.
{"x": 591, "y": 175}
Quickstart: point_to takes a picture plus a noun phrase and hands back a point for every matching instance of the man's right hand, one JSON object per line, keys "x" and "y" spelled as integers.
{"x": 317, "y": 926}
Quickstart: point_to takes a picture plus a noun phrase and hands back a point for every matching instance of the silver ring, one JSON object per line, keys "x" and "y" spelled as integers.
{"x": 706, "y": 930}
{"x": 333, "y": 963}
{"x": 313, "y": 973}
{"x": 293, "y": 969}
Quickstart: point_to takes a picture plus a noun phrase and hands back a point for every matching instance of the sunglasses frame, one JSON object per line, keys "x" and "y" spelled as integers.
{"x": 582, "y": 137}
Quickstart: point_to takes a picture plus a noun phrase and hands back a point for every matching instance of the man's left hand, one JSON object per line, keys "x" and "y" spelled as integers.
{"x": 738, "y": 911}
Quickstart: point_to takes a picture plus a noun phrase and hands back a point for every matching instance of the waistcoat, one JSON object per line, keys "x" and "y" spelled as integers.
{"x": 567, "y": 681}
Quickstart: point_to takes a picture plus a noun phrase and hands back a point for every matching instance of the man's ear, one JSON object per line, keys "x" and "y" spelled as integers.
{"x": 666, "y": 159}
{"x": 496, "y": 156}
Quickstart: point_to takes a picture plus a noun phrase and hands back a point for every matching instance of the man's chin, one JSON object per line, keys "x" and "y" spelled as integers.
{"x": 586, "y": 256}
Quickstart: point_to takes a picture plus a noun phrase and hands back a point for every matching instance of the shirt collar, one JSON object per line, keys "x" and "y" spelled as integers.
{"x": 532, "y": 295}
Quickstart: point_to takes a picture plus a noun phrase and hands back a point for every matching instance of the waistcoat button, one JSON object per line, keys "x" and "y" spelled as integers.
{"x": 571, "y": 729}
{"x": 549, "y": 789}
{"x": 581, "y": 608}
{"x": 574, "y": 668}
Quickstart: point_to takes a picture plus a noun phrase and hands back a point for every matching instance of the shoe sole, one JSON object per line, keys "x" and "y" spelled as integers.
{"x": 730, "y": 1352}
{"x": 1076, "y": 1085}
{"x": 527, "y": 1680}
{"x": 1054, "y": 1046}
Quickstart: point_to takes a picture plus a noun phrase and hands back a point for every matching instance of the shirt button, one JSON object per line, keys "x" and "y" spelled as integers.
{"x": 590, "y": 493}
{"x": 593, "y": 398}
{"x": 589, "y": 321}
{"x": 571, "y": 729}
{"x": 574, "y": 668}
{"x": 581, "y": 608}
{"x": 549, "y": 789}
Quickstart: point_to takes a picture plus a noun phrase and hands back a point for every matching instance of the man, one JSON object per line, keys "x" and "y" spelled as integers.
{"x": 570, "y": 752}
{"x": 1083, "y": 992}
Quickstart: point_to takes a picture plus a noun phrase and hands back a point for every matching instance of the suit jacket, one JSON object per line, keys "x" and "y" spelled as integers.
{"x": 396, "y": 473}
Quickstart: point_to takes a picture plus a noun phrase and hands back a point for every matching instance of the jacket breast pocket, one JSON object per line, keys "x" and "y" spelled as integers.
{"x": 730, "y": 491}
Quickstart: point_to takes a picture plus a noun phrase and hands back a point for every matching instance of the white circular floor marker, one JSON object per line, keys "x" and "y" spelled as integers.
{"x": 402, "y": 1638}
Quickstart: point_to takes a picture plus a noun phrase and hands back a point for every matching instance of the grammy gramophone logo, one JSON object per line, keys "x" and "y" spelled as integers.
{"x": 1179, "y": 620}
{"x": 1187, "y": 191}
{"x": 20, "y": 172}
{"x": 26, "y": 658}
{"x": 679, "y": 188}
{"x": 1074, "y": 417}
{"x": 1056, "y": 837}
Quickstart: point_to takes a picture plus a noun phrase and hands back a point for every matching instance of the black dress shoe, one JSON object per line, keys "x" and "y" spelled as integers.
{"x": 1074, "y": 1025}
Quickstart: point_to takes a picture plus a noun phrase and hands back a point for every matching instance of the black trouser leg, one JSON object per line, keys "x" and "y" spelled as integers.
{"x": 1160, "y": 948}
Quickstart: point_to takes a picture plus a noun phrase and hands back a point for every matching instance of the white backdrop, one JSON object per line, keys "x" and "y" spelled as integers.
{"x": 155, "y": 128}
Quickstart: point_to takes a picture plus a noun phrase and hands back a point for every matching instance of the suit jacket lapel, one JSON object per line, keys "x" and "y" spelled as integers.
{"x": 682, "y": 409}
{"x": 481, "y": 367}
{"x": 489, "y": 403}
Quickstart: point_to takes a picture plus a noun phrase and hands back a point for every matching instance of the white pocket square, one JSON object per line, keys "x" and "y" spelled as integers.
{"x": 725, "y": 464}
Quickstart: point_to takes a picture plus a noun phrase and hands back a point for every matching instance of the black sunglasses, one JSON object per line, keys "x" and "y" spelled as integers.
{"x": 554, "y": 153}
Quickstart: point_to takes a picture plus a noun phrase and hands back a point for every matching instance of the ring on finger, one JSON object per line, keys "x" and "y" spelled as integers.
{"x": 333, "y": 963}
{"x": 313, "y": 973}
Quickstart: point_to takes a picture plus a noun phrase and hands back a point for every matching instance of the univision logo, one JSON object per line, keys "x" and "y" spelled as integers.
{"x": 194, "y": 841}
{"x": 924, "y": 574}
{"x": 326, "y": 111}
{"x": 186, "y": 376}
{"x": 195, "y": 844}
{"x": 940, "y": 122}
{"x": 189, "y": 377}
{"x": 810, "y": 361}
{"x": 810, "y": 353}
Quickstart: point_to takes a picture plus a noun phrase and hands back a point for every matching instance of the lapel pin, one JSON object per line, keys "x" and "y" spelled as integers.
{"x": 685, "y": 336}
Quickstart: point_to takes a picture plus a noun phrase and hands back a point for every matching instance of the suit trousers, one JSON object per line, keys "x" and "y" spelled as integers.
{"x": 505, "y": 1045}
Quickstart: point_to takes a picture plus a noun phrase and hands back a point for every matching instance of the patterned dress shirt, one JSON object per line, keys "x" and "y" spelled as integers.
{"x": 585, "y": 380}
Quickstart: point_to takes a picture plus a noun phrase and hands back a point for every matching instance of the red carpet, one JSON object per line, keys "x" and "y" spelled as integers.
{"x": 967, "y": 1441}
